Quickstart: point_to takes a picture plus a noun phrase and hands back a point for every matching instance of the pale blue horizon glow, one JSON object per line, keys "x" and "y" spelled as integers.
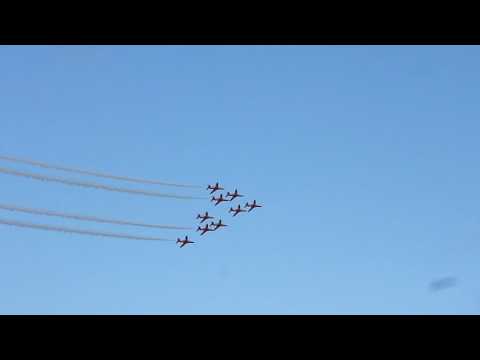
{"x": 364, "y": 157}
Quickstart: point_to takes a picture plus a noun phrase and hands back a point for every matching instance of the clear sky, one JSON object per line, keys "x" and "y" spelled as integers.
{"x": 364, "y": 157}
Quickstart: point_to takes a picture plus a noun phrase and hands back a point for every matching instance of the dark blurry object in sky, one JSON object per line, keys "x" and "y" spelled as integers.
{"x": 443, "y": 283}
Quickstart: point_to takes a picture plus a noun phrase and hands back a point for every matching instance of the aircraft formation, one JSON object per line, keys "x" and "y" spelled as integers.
{"x": 203, "y": 227}
{"x": 229, "y": 197}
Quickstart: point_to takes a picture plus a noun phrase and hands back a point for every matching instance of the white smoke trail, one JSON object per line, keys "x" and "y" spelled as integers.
{"x": 87, "y": 218}
{"x": 95, "y": 185}
{"x": 93, "y": 173}
{"x": 77, "y": 231}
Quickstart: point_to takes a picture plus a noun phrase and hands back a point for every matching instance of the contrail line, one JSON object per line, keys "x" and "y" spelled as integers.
{"x": 93, "y": 173}
{"x": 87, "y": 217}
{"x": 77, "y": 231}
{"x": 94, "y": 185}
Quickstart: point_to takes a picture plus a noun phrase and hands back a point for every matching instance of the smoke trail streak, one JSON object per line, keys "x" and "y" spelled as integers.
{"x": 94, "y": 185}
{"x": 87, "y": 218}
{"x": 77, "y": 231}
{"x": 94, "y": 173}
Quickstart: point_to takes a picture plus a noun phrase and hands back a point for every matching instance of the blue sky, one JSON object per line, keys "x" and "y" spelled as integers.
{"x": 364, "y": 157}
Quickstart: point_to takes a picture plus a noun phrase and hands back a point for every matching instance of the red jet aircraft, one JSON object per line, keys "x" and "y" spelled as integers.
{"x": 219, "y": 200}
{"x": 234, "y": 195}
{"x": 214, "y": 188}
{"x": 252, "y": 205}
{"x": 204, "y": 230}
{"x": 217, "y": 225}
{"x": 184, "y": 242}
{"x": 237, "y": 210}
{"x": 204, "y": 217}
